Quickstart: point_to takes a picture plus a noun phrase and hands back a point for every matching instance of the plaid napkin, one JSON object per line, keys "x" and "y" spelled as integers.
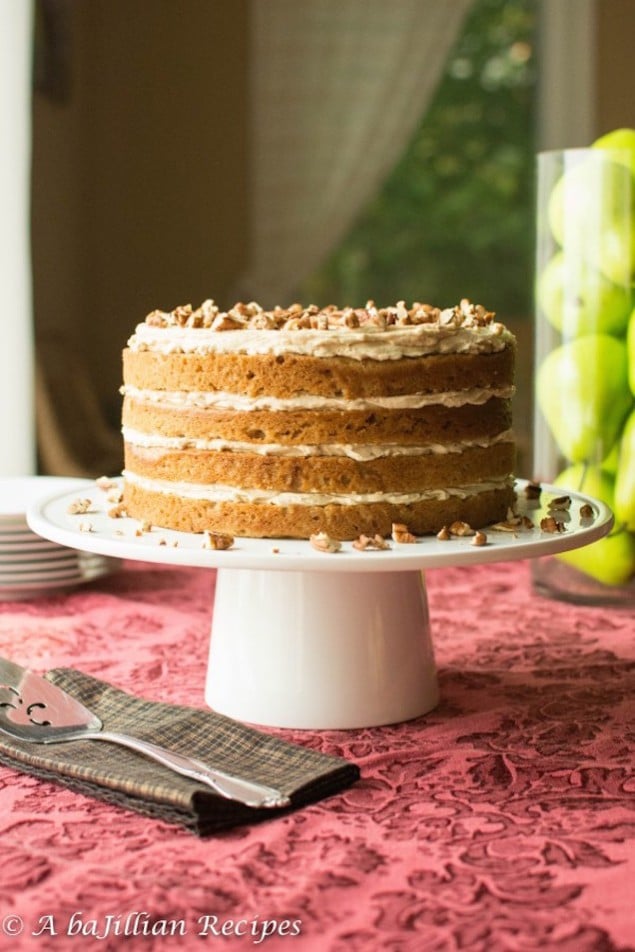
{"x": 128, "y": 779}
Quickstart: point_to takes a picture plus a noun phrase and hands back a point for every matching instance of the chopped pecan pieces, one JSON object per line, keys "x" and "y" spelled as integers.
{"x": 560, "y": 503}
{"x": 461, "y": 529}
{"x": 223, "y": 322}
{"x": 401, "y": 313}
{"x": 365, "y": 542}
{"x": 105, "y": 483}
{"x": 401, "y": 534}
{"x": 513, "y": 523}
{"x": 586, "y": 511}
{"x": 296, "y": 316}
{"x": 144, "y": 527}
{"x": 320, "y": 322}
{"x": 262, "y": 322}
{"x": 323, "y": 543}
{"x": 479, "y": 538}
{"x": 217, "y": 540}
{"x": 182, "y": 314}
{"x": 206, "y": 313}
{"x": 549, "y": 524}
{"x": 80, "y": 506}
{"x": 533, "y": 490}
{"x": 156, "y": 319}
{"x": 450, "y": 317}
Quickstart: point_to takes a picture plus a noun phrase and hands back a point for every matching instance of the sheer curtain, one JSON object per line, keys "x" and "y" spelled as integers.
{"x": 17, "y": 427}
{"x": 337, "y": 88}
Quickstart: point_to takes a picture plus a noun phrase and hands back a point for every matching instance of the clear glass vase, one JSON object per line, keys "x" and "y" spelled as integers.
{"x": 584, "y": 421}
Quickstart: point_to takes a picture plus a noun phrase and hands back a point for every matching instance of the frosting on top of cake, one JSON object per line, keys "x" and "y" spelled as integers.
{"x": 387, "y": 333}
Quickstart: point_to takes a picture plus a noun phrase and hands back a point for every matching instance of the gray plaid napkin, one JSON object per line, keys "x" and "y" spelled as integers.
{"x": 128, "y": 779}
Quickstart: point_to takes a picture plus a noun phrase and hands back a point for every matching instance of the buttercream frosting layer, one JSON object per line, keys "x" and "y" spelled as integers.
{"x": 220, "y": 493}
{"x": 393, "y": 343}
{"x": 358, "y": 451}
{"x": 232, "y": 401}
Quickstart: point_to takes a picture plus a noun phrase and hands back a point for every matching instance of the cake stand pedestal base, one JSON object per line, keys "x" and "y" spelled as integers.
{"x": 321, "y": 650}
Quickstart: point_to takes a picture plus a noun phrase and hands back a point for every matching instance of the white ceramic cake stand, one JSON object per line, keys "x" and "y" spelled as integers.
{"x": 307, "y": 639}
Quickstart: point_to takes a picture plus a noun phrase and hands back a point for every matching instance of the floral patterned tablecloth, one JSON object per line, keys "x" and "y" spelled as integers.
{"x": 504, "y": 820}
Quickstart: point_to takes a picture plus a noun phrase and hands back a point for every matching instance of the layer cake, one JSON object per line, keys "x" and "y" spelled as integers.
{"x": 295, "y": 421}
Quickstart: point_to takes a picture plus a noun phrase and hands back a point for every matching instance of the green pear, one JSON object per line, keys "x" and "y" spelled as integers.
{"x": 578, "y": 299}
{"x": 582, "y": 391}
{"x": 609, "y": 463}
{"x": 630, "y": 348}
{"x": 622, "y": 141}
{"x": 591, "y": 214}
{"x": 590, "y": 480}
{"x": 625, "y": 477}
{"x": 610, "y": 560}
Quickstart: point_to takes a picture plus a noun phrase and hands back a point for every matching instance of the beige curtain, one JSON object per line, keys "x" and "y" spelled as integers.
{"x": 337, "y": 89}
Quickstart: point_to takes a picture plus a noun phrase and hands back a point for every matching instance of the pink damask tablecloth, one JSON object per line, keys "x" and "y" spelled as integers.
{"x": 505, "y": 820}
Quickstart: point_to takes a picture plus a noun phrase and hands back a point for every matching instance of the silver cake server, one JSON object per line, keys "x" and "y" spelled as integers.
{"x": 33, "y": 709}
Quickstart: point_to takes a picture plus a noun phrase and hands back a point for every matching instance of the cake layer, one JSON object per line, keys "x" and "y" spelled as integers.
{"x": 330, "y": 474}
{"x": 288, "y": 375}
{"x": 258, "y": 519}
{"x": 432, "y": 424}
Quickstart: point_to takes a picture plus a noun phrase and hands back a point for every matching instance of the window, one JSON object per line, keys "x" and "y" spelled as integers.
{"x": 455, "y": 218}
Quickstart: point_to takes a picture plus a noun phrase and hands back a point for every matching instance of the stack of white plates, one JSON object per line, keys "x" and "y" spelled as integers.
{"x": 31, "y": 566}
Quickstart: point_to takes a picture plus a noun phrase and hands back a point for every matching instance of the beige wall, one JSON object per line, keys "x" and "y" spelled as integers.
{"x": 139, "y": 196}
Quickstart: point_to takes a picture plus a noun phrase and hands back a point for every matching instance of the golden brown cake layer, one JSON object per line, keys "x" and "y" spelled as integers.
{"x": 287, "y": 375}
{"x": 326, "y": 474}
{"x": 299, "y": 522}
{"x": 433, "y": 424}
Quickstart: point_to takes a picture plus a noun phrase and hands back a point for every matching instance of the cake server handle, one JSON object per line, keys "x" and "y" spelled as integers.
{"x": 248, "y": 792}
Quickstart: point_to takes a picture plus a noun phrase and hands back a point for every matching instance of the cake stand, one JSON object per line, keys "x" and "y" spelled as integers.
{"x": 309, "y": 639}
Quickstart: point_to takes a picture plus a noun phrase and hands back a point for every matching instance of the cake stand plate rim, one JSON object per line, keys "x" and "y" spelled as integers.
{"x": 49, "y": 518}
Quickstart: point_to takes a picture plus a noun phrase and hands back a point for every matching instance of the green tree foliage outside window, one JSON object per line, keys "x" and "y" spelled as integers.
{"x": 455, "y": 218}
